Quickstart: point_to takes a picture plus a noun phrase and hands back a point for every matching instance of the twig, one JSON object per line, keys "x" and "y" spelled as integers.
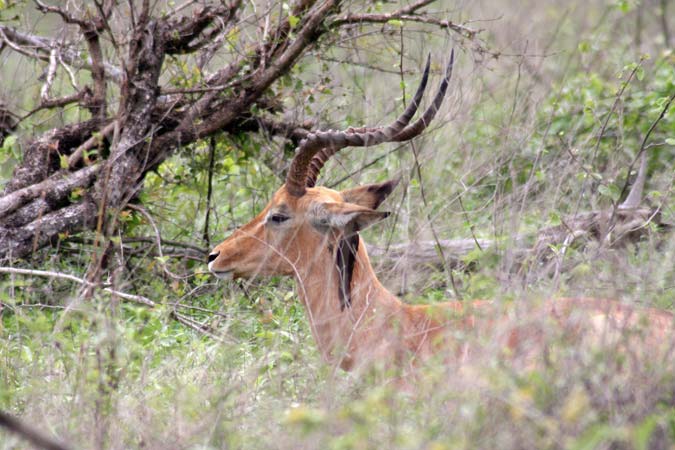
{"x": 468, "y": 221}
{"x": 201, "y": 328}
{"x": 69, "y": 71}
{"x": 90, "y": 32}
{"x": 198, "y": 89}
{"x": 209, "y": 190}
{"x": 635, "y": 193}
{"x": 15, "y": 39}
{"x": 417, "y": 169}
{"x": 54, "y": 103}
{"x": 365, "y": 65}
{"x": 65, "y": 276}
{"x": 438, "y": 246}
{"x": 51, "y": 72}
{"x": 405, "y": 14}
{"x": 68, "y": 18}
{"x": 606, "y": 122}
{"x": 200, "y": 309}
{"x": 35, "y": 437}
{"x": 333, "y": 184}
{"x": 17, "y": 48}
{"x": 90, "y": 143}
{"x": 611, "y": 110}
{"x": 158, "y": 241}
{"x": 166, "y": 242}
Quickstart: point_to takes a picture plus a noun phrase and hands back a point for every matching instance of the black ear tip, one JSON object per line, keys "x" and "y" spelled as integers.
{"x": 388, "y": 186}
{"x": 386, "y": 214}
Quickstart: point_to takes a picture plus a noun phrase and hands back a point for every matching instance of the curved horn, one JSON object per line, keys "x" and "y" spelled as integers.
{"x": 420, "y": 124}
{"x": 321, "y": 157}
{"x": 333, "y": 141}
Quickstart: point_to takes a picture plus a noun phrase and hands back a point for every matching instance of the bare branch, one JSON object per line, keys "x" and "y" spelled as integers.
{"x": 4, "y": 34}
{"x": 404, "y": 14}
{"x": 22, "y": 241}
{"x": 16, "y": 40}
{"x": 65, "y": 15}
{"x": 51, "y": 72}
{"x": 150, "y": 124}
{"x": 90, "y": 143}
{"x": 56, "y": 185}
{"x": 183, "y": 32}
{"x": 158, "y": 238}
{"x": 57, "y": 103}
{"x": 97, "y": 73}
{"x": 309, "y": 32}
{"x": 90, "y": 31}
{"x": 65, "y": 276}
{"x": 198, "y": 327}
{"x": 71, "y": 75}
{"x": 624, "y": 85}
{"x": 35, "y": 437}
{"x": 42, "y": 156}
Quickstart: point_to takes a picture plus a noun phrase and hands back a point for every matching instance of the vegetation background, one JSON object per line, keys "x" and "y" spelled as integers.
{"x": 550, "y": 105}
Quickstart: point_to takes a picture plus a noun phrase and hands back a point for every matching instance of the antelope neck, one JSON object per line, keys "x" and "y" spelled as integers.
{"x": 346, "y": 336}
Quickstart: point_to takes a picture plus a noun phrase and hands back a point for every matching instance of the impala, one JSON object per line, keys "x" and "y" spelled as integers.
{"x": 312, "y": 233}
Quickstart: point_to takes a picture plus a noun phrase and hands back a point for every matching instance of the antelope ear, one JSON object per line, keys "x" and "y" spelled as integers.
{"x": 370, "y": 195}
{"x": 347, "y": 216}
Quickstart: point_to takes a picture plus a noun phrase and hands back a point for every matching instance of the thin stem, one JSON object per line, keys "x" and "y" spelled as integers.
{"x": 65, "y": 276}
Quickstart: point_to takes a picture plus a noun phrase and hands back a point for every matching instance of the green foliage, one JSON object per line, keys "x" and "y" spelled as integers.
{"x": 616, "y": 117}
{"x": 10, "y": 155}
{"x": 110, "y": 374}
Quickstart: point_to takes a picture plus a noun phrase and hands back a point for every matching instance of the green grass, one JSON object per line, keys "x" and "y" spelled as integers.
{"x": 112, "y": 375}
{"x": 519, "y": 146}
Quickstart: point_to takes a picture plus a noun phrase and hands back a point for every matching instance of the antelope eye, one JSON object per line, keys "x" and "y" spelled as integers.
{"x": 277, "y": 218}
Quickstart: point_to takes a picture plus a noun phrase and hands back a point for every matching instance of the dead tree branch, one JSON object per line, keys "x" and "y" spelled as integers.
{"x": 57, "y": 192}
{"x": 462, "y": 30}
{"x": 64, "y": 276}
{"x": 30, "y": 434}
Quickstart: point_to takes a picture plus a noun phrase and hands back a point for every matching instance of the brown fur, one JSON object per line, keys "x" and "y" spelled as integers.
{"x": 378, "y": 327}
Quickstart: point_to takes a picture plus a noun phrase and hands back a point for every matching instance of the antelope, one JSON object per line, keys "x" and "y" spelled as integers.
{"x": 311, "y": 233}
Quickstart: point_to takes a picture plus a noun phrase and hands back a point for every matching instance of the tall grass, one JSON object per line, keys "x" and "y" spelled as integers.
{"x": 518, "y": 145}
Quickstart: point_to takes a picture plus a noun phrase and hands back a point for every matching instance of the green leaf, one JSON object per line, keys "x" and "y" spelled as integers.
{"x": 640, "y": 73}
{"x": 26, "y": 354}
{"x": 610, "y": 190}
{"x": 643, "y": 432}
{"x": 162, "y": 259}
{"x": 554, "y": 218}
{"x": 63, "y": 161}
{"x": 624, "y": 6}
{"x": 9, "y": 147}
{"x": 670, "y": 141}
{"x": 293, "y": 20}
{"x": 472, "y": 256}
{"x": 593, "y": 437}
{"x": 395, "y": 22}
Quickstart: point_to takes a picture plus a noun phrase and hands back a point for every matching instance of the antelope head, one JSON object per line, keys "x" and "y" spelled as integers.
{"x": 303, "y": 220}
